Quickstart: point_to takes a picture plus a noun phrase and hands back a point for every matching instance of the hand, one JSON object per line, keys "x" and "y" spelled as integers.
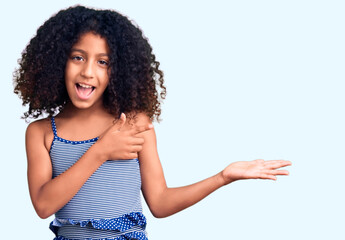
{"x": 254, "y": 169}
{"x": 116, "y": 143}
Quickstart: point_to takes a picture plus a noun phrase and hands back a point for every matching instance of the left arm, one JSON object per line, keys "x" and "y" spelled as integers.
{"x": 164, "y": 201}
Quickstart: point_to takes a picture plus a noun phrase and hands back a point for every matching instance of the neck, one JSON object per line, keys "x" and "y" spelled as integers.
{"x": 70, "y": 111}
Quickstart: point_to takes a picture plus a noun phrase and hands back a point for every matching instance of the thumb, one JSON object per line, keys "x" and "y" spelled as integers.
{"x": 117, "y": 124}
{"x": 121, "y": 122}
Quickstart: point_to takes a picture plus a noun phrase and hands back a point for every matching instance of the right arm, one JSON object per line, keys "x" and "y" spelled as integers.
{"x": 49, "y": 195}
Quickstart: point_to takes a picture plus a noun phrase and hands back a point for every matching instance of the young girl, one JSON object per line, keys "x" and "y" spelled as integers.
{"x": 94, "y": 74}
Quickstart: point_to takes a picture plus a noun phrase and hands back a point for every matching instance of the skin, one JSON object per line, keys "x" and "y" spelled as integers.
{"x": 88, "y": 64}
{"x": 85, "y": 119}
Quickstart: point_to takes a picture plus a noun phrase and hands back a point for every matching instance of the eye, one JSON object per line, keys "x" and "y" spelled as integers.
{"x": 77, "y": 58}
{"x": 103, "y": 62}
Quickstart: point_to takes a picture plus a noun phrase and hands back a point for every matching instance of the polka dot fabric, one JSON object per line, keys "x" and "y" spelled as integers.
{"x": 121, "y": 224}
{"x": 127, "y": 236}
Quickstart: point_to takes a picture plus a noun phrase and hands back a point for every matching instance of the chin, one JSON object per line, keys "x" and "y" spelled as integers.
{"x": 81, "y": 104}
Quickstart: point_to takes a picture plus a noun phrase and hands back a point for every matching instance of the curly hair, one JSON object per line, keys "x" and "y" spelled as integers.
{"x": 136, "y": 83}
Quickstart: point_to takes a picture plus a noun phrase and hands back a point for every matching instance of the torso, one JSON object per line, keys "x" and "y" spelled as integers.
{"x": 111, "y": 195}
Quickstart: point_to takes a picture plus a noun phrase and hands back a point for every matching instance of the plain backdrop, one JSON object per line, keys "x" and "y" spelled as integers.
{"x": 245, "y": 80}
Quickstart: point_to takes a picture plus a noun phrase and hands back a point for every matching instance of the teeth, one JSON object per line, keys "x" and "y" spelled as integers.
{"x": 84, "y": 85}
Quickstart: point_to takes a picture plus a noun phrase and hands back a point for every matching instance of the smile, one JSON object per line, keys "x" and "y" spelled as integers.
{"x": 84, "y": 91}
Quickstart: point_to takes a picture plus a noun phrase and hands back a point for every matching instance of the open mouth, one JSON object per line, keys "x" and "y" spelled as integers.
{"x": 84, "y": 91}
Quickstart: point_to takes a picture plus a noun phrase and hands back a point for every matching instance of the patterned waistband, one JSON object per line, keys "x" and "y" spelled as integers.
{"x": 70, "y": 232}
{"x": 128, "y": 226}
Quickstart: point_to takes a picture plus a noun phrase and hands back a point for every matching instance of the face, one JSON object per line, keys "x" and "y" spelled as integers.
{"x": 86, "y": 74}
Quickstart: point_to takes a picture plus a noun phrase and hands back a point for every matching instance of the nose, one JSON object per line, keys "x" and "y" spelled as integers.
{"x": 87, "y": 70}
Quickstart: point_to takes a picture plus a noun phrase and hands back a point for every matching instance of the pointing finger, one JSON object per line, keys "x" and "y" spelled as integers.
{"x": 141, "y": 129}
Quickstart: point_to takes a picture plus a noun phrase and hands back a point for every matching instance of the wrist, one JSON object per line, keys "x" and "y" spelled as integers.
{"x": 220, "y": 179}
{"x": 223, "y": 179}
{"x": 99, "y": 153}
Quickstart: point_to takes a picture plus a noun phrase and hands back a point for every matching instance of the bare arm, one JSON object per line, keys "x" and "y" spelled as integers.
{"x": 164, "y": 201}
{"x": 49, "y": 195}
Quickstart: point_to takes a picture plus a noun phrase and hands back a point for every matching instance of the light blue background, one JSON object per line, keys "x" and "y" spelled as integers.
{"x": 245, "y": 80}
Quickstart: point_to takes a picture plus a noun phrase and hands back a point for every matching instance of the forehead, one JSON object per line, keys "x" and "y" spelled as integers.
{"x": 92, "y": 43}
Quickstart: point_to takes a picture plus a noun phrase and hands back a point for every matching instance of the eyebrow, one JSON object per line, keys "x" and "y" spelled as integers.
{"x": 82, "y": 51}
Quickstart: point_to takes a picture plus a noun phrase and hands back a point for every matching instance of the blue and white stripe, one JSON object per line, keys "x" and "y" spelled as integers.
{"x": 111, "y": 192}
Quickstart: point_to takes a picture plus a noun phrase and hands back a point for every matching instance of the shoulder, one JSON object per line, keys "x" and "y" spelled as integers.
{"x": 38, "y": 126}
{"x": 142, "y": 119}
{"x": 136, "y": 119}
{"x": 40, "y": 131}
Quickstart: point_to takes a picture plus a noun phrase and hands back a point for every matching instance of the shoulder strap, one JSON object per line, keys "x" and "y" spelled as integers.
{"x": 54, "y": 126}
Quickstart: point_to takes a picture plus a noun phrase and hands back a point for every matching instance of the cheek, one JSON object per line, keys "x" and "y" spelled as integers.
{"x": 67, "y": 73}
{"x": 105, "y": 85}
{"x": 71, "y": 72}
{"x": 105, "y": 79}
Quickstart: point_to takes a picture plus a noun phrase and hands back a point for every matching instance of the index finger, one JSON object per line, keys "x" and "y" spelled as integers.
{"x": 141, "y": 129}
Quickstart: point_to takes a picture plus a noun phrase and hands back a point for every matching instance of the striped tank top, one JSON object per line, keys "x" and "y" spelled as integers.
{"x": 107, "y": 206}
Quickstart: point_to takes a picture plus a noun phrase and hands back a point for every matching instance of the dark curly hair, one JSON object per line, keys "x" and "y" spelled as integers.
{"x": 134, "y": 72}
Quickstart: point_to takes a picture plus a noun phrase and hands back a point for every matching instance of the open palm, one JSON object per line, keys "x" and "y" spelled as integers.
{"x": 256, "y": 169}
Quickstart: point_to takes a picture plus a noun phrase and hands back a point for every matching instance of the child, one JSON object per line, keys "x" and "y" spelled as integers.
{"x": 95, "y": 75}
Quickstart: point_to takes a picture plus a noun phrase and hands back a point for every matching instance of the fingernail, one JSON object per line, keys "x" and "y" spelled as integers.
{"x": 150, "y": 126}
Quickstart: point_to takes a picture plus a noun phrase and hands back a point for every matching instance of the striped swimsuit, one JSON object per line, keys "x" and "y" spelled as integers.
{"x": 108, "y": 205}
